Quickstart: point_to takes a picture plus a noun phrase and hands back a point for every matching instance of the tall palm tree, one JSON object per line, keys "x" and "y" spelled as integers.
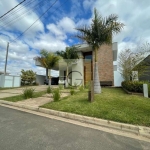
{"x": 98, "y": 33}
{"x": 47, "y": 60}
{"x": 68, "y": 55}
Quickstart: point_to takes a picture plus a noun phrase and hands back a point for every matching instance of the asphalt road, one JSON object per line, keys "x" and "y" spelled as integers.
{"x": 23, "y": 131}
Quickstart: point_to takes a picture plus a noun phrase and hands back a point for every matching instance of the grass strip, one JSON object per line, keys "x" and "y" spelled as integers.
{"x": 112, "y": 104}
{"x": 21, "y": 97}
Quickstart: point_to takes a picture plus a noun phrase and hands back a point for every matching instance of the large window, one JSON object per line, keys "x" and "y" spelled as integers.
{"x": 87, "y": 55}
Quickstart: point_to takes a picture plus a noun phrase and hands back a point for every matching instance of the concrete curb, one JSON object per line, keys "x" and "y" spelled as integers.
{"x": 138, "y": 130}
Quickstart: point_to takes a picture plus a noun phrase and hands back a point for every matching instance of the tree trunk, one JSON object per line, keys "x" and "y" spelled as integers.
{"x": 49, "y": 78}
{"x": 66, "y": 83}
{"x": 46, "y": 73}
{"x": 97, "y": 87}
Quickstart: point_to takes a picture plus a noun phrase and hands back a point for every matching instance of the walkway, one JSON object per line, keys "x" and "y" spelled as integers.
{"x": 33, "y": 102}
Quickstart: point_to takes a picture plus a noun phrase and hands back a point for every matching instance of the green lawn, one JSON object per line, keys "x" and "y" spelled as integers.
{"x": 21, "y": 97}
{"x": 112, "y": 104}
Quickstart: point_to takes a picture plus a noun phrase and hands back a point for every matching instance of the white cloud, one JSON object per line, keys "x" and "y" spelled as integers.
{"x": 134, "y": 14}
{"x": 67, "y": 25}
{"x": 23, "y": 23}
{"x": 54, "y": 29}
{"x": 87, "y": 4}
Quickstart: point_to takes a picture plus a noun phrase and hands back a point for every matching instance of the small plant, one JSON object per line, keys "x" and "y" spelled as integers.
{"x": 75, "y": 84}
{"x": 49, "y": 89}
{"x": 61, "y": 87}
{"x": 72, "y": 91}
{"x": 88, "y": 86}
{"x": 81, "y": 88}
{"x": 28, "y": 93}
{"x": 56, "y": 94}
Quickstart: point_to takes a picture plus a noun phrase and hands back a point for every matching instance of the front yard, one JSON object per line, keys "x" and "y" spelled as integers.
{"x": 112, "y": 104}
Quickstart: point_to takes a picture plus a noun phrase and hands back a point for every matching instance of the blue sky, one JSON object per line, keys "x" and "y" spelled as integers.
{"x": 55, "y": 30}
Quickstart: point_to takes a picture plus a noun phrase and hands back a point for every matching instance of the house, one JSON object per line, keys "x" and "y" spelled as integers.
{"x": 146, "y": 73}
{"x": 81, "y": 71}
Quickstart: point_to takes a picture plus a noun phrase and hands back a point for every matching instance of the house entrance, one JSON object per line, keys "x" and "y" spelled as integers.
{"x": 88, "y": 69}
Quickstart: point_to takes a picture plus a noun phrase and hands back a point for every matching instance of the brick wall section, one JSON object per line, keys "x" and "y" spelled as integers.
{"x": 105, "y": 63}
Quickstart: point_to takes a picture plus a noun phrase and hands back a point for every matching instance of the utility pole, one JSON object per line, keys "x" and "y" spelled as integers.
{"x": 6, "y": 58}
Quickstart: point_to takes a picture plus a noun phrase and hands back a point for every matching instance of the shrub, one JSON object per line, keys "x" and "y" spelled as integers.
{"x": 49, "y": 89}
{"x": 81, "y": 88}
{"x": 134, "y": 86}
{"x": 28, "y": 93}
{"x": 56, "y": 94}
{"x": 61, "y": 87}
{"x": 72, "y": 91}
{"x": 88, "y": 85}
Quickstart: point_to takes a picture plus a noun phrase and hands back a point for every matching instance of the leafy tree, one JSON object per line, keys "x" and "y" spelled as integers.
{"x": 98, "y": 33}
{"x": 47, "y": 60}
{"x": 69, "y": 55}
{"x": 27, "y": 76}
{"x": 129, "y": 61}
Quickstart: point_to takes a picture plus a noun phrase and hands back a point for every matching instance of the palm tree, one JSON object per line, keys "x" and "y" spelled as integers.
{"x": 98, "y": 33}
{"x": 47, "y": 60}
{"x": 69, "y": 55}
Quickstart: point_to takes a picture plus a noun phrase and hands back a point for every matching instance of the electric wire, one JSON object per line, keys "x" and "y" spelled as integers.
{"x": 12, "y": 9}
{"x": 36, "y": 20}
{"x": 17, "y": 9}
{"x": 21, "y": 16}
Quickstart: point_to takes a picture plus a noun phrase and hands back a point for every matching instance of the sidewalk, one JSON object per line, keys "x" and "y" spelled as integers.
{"x": 18, "y": 91}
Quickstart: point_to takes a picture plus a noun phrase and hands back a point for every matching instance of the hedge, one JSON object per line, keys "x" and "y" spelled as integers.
{"x": 135, "y": 86}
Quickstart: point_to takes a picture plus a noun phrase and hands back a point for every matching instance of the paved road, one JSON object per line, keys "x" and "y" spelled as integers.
{"x": 23, "y": 131}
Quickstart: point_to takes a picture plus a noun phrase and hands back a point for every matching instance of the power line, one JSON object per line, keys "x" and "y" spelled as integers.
{"x": 12, "y": 9}
{"x": 18, "y": 8}
{"x": 36, "y": 20}
{"x": 13, "y": 20}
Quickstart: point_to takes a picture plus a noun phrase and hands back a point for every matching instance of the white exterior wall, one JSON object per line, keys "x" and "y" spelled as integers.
{"x": 40, "y": 79}
{"x": 78, "y": 73}
{"x": 117, "y": 78}
{"x": 10, "y": 81}
{"x": 61, "y": 77}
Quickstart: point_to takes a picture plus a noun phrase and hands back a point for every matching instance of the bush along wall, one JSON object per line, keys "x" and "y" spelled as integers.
{"x": 135, "y": 86}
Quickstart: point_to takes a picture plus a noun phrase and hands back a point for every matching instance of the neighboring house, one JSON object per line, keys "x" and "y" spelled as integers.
{"x": 146, "y": 74}
{"x": 41, "y": 80}
{"x": 80, "y": 71}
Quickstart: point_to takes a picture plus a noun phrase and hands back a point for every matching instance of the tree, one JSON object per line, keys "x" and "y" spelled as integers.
{"x": 27, "y": 76}
{"x": 47, "y": 60}
{"x": 129, "y": 61}
{"x": 98, "y": 33}
{"x": 69, "y": 55}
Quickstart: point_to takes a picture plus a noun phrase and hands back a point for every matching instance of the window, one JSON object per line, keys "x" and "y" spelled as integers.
{"x": 87, "y": 55}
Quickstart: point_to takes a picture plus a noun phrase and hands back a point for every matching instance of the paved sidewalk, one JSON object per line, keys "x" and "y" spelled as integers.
{"x": 36, "y": 102}
{"x": 18, "y": 91}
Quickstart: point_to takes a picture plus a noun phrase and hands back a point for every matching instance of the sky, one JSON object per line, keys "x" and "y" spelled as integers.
{"x": 55, "y": 29}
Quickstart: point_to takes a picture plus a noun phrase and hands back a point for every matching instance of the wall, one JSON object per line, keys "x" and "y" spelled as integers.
{"x": 117, "y": 78}
{"x": 77, "y": 73}
{"x": 105, "y": 63}
{"x": 40, "y": 79}
{"x": 146, "y": 75}
{"x": 10, "y": 81}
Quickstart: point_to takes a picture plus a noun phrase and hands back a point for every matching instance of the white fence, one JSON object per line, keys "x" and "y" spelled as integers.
{"x": 9, "y": 81}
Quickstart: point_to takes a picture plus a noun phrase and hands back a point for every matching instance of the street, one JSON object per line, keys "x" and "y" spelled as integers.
{"x": 24, "y": 131}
